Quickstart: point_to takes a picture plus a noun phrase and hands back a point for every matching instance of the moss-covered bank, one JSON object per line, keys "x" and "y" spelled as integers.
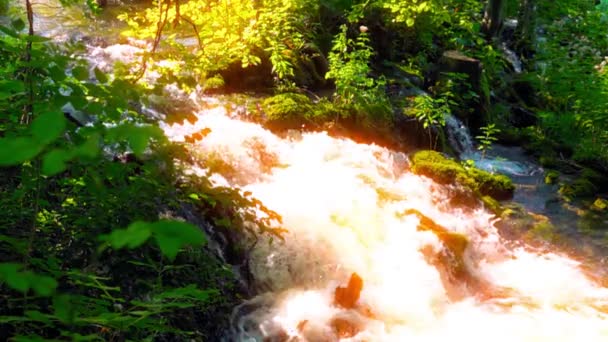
{"x": 434, "y": 165}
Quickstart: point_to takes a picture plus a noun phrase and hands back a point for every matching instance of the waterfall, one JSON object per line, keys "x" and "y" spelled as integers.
{"x": 459, "y": 136}
{"x": 354, "y": 211}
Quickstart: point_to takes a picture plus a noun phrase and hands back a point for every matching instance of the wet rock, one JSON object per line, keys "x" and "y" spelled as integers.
{"x": 344, "y": 328}
{"x": 347, "y": 297}
{"x": 453, "y": 271}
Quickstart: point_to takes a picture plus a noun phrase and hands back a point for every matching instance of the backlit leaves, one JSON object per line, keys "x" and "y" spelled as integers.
{"x": 170, "y": 236}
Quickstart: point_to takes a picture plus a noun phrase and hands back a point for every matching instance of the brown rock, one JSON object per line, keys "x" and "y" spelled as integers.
{"x": 348, "y": 296}
{"x": 344, "y": 328}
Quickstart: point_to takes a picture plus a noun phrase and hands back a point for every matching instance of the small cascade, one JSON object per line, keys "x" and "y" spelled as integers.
{"x": 461, "y": 141}
{"x": 376, "y": 253}
{"x": 459, "y": 136}
{"x": 512, "y": 58}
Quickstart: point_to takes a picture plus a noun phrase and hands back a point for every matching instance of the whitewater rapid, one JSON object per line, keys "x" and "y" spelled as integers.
{"x": 343, "y": 204}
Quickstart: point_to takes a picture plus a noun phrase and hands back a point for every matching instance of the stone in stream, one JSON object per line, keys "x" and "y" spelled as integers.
{"x": 457, "y": 279}
{"x": 347, "y": 297}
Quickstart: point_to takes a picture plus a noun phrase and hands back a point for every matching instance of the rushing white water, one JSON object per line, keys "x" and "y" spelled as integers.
{"x": 343, "y": 204}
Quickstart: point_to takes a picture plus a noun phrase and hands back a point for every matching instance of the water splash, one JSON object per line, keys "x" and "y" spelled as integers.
{"x": 346, "y": 205}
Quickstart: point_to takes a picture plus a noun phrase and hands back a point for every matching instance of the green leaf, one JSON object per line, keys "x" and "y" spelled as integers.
{"x": 100, "y": 75}
{"x": 410, "y": 22}
{"x": 90, "y": 148}
{"x": 13, "y": 86}
{"x": 9, "y": 31}
{"x": 81, "y": 73}
{"x": 43, "y": 285}
{"x": 62, "y": 308}
{"x": 134, "y": 236}
{"x": 190, "y": 291}
{"x": 138, "y": 141}
{"x": 22, "y": 281}
{"x": 38, "y": 316}
{"x": 18, "y": 24}
{"x": 54, "y": 162}
{"x": 48, "y": 126}
{"x": 37, "y": 39}
{"x": 14, "y": 151}
{"x": 173, "y": 235}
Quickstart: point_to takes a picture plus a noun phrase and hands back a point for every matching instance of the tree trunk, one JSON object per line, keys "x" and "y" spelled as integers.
{"x": 492, "y": 18}
{"x": 525, "y": 31}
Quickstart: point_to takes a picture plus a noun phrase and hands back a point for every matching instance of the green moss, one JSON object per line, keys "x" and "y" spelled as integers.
{"x": 492, "y": 205}
{"x": 551, "y": 177}
{"x": 287, "y": 111}
{"x": 447, "y": 171}
{"x": 543, "y": 230}
{"x": 587, "y": 184}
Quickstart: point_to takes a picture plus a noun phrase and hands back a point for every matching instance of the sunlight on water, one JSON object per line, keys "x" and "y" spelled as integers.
{"x": 345, "y": 207}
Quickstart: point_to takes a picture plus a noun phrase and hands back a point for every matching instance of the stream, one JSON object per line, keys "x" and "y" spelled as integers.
{"x": 357, "y": 209}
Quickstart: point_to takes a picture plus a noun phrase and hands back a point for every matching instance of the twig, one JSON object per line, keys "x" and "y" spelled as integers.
{"x": 160, "y": 27}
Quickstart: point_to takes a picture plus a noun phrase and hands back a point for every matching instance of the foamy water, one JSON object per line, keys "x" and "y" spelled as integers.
{"x": 344, "y": 205}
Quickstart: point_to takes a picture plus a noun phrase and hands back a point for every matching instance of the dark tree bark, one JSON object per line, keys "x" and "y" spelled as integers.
{"x": 526, "y": 26}
{"x": 493, "y": 17}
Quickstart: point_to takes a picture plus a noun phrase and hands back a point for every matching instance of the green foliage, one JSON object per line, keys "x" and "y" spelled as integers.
{"x": 227, "y": 32}
{"x": 431, "y": 112}
{"x": 446, "y": 171}
{"x": 487, "y": 138}
{"x": 169, "y": 235}
{"x": 572, "y": 82}
{"x": 66, "y": 186}
{"x": 349, "y": 67}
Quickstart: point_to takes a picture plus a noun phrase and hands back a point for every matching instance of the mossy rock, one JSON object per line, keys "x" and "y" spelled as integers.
{"x": 517, "y": 223}
{"x": 492, "y": 205}
{"x": 287, "y": 111}
{"x": 551, "y": 177}
{"x": 454, "y": 244}
{"x": 578, "y": 188}
{"x": 544, "y": 230}
{"x": 434, "y": 165}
